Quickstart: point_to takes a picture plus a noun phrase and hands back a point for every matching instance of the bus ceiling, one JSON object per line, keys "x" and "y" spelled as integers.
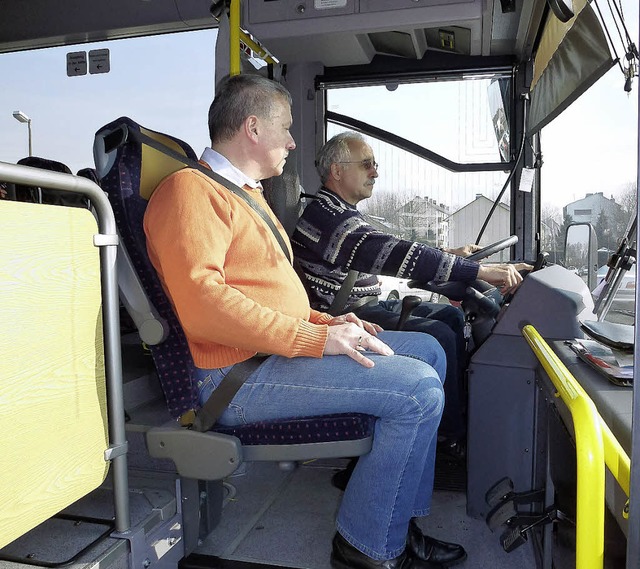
{"x": 42, "y": 23}
{"x": 346, "y": 32}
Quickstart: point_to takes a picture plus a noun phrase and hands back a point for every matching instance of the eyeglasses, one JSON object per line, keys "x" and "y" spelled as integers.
{"x": 366, "y": 164}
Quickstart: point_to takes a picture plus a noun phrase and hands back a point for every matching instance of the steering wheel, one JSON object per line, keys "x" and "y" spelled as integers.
{"x": 479, "y": 290}
{"x": 493, "y": 248}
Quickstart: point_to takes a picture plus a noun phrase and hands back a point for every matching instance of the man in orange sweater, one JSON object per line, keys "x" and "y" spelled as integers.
{"x": 236, "y": 294}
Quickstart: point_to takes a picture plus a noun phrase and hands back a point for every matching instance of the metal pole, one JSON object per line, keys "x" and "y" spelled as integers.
{"x": 234, "y": 38}
{"x": 633, "y": 530}
{"x": 30, "y": 146}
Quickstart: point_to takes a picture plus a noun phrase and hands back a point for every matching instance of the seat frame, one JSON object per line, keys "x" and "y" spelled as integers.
{"x": 211, "y": 455}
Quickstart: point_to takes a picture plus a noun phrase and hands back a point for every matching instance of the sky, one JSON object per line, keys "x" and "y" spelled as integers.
{"x": 593, "y": 145}
{"x": 166, "y": 83}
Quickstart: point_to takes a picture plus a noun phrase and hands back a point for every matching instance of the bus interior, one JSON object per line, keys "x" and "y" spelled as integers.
{"x": 458, "y": 99}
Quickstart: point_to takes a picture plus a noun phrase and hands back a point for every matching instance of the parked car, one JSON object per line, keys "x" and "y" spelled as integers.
{"x": 388, "y": 284}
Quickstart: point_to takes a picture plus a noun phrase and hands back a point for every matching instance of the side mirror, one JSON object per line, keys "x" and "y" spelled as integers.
{"x": 581, "y": 252}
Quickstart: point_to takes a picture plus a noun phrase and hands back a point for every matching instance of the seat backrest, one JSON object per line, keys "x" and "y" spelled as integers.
{"x": 36, "y": 194}
{"x": 129, "y": 171}
{"x": 284, "y": 195}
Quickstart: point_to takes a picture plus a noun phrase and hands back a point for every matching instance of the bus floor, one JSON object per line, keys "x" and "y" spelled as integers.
{"x": 286, "y": 518}
{"x": 80, "y": 537}
{"x": 270, "y": 516}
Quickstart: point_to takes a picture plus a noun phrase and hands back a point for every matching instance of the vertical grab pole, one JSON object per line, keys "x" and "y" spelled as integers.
{"x": 633, "y": 544}
{"x": 234, "y": 38}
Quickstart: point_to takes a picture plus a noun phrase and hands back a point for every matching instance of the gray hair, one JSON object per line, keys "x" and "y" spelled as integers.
{"x": 335, "y": 150}
{"x": 238, "y": 97}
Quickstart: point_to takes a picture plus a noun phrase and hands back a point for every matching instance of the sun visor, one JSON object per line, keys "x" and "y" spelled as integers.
{"x": 571, "y": 57}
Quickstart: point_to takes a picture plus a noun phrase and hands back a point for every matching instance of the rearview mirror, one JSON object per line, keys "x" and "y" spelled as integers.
{"x": 581, "y": 252}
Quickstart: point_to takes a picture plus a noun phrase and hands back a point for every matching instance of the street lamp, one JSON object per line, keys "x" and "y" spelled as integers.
{"x": 21, "y": 117}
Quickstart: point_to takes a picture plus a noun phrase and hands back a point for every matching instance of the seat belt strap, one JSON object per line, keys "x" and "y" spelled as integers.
{"x": 253, "y": 204}
{"x": 341, "y": 298}
{"x": 204, "y": 418}
{"x": 343, "y": 294}
{"x": 233, "y": 188}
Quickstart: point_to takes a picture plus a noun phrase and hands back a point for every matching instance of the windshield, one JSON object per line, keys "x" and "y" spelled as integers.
{"x": 414, "y": 198}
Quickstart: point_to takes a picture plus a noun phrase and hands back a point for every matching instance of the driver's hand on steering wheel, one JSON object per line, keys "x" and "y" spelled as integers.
{"x": 464, "y": 251}
{"x": 523, "y": 268}
{"x": 505, "y": 277}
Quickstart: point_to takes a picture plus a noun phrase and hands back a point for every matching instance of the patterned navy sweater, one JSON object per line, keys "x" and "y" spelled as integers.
{"x": 332, "y": 237}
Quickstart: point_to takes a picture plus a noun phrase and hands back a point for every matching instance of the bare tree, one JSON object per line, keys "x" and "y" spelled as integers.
{"x": 627, "y": 197}
{"x": 551, "y": 222}
{"x": 627, "y": 200}
{"x": 385, "y": 204}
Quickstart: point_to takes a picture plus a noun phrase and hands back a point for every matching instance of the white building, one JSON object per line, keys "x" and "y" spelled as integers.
{"x": 425, "y": 220}
{"x": 465, "y": 224}
{"x": 588, "y": 209}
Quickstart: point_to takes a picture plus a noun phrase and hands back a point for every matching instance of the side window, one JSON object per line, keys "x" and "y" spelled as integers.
{"x": 589, "y": 175}
{"x": 164, "y": 82}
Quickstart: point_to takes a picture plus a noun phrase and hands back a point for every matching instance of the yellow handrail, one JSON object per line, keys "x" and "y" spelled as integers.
{"x": 256, "y": 48}
{"x": 234, "y": 38}
{"x": 590, "y": 454}
{"x": 615, "y": 457}
{"x": 238, "y": 35}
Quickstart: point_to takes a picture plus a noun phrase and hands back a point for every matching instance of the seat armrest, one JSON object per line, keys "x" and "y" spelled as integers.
{"x": 203, "y": 456}
{"x": 152, "y": 328}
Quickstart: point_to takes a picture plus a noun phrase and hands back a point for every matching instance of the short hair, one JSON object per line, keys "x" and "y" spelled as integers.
{"x": 336, "y": 149}
{"x": 238, "y": 97}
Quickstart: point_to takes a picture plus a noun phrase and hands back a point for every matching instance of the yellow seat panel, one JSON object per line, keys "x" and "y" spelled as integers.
{"x": 53, "y": 415}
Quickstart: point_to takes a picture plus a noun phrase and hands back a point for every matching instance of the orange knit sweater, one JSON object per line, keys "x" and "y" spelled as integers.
{"x": 233, "y": 289}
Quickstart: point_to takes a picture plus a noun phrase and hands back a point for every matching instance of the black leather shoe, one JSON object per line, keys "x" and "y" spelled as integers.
{"x": 432, "y": 550}
{"x": 345, "y": 556}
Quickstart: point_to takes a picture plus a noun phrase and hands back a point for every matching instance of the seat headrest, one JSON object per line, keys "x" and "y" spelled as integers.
{"x": 46, "y": 195}
{"x": 283, "y": 194}
{"x": 156, "y": 154}
{"x": 89, "y": 174}
{"x": 44, "y": 164}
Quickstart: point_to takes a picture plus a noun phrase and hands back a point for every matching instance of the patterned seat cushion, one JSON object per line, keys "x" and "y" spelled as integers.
{"x": 327, "y": 428}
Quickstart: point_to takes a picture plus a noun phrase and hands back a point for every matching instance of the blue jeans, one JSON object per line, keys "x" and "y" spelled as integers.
{"x": 446, "y": 324}
{"x": 394, "y": 481}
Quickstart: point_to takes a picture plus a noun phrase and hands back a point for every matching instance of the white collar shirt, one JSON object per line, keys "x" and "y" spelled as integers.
{"x": 220, "y": 165}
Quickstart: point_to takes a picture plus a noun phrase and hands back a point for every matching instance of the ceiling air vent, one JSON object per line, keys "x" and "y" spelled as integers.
{"x": 409, "y": 43}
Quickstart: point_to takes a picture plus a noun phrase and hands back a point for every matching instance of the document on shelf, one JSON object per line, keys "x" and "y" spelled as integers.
{"x": 615, "y": 365}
